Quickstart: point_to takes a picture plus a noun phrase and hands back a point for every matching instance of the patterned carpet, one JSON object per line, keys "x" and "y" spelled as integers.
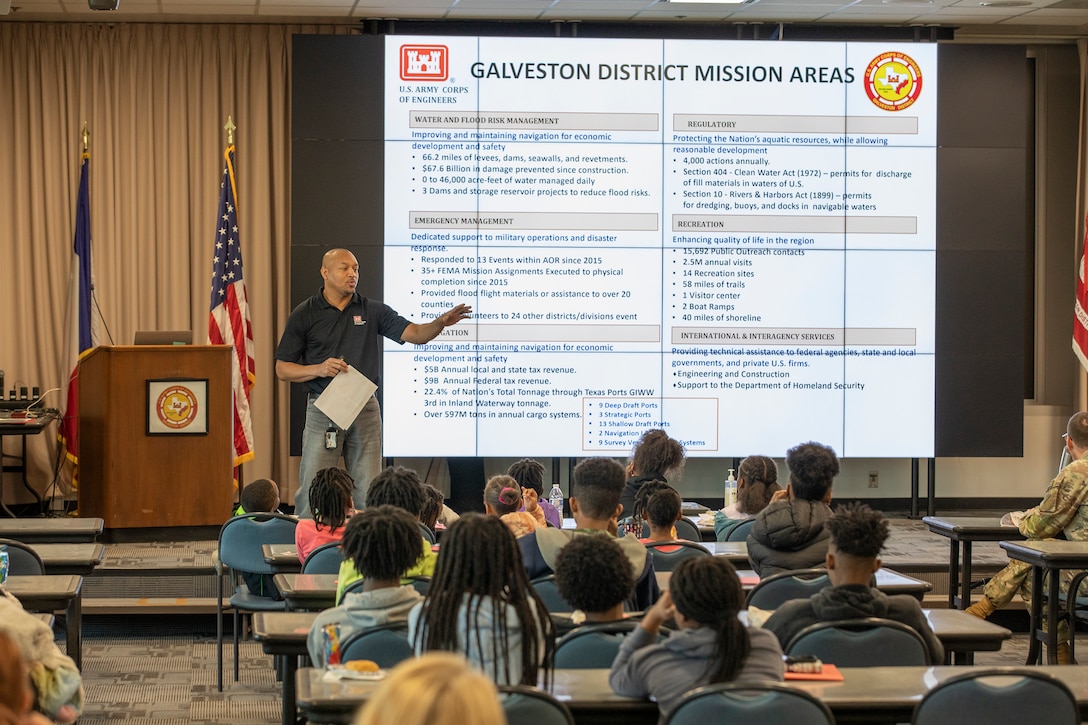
{"x": 143, "y": 672}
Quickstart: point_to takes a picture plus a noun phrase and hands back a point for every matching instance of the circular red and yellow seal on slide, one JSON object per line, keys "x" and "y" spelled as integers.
{"x": 176, "y": 407}
{"x": 893, "y": 81}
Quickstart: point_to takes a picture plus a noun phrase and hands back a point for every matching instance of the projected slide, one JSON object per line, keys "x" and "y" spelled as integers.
{"x": 730, "y": 240}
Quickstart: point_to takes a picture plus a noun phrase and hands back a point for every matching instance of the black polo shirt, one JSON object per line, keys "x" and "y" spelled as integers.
{"x": 317, "y": 331}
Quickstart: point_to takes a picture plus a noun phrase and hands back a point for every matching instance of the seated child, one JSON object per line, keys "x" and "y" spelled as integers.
{"x": 402, "y": 488}
{"x": 439, "y": 688}
{"x": 382, "y": 542}
{"x": 259, "y": 497}
{"x": 789, "y": 534}
{"x": 658, "y": 504}
{"x": 711, "y": 645}
{"x": 530, "y": 476}
{"x": 598, "y": 483}
{"x": 482, "y": 605}
{"x": 593, "y": 575}
{"x": 433, "y": 503}
{"x": 857, "y": 536}
{"x": 502, "y": 498}
{"x": 757, "y": 482}
{"x": 331, "y": 506}
{"x": 57, "y": 686}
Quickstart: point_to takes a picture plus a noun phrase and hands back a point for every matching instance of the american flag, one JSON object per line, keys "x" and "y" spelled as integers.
{"x": 1080, "y": 306}
{"x": 228, "y": 321}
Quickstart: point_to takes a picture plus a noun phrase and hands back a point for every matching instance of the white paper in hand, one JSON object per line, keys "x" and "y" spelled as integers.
{"x": 345, "y": 397}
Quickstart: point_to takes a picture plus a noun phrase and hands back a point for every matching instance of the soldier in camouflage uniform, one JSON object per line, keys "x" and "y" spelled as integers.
{"x": 1064, "y": 509}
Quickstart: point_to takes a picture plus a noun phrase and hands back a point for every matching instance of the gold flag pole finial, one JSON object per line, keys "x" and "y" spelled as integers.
{"x": 86, "y": 138}
{"x": 229, "y": 128}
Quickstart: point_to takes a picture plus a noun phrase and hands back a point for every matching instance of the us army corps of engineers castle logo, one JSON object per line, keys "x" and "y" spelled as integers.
{"x": 893, "y": 81}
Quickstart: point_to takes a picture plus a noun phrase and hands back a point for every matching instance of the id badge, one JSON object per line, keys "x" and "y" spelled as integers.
{"x": 330, "y": 439}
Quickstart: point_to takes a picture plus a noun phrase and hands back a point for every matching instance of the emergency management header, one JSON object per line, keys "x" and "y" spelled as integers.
{"x": 661, "y": 72}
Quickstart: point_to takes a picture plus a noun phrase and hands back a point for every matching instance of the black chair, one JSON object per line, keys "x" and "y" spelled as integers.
{"x": 239, "y": 549}
{"x": 592, "y": 646}
{"x": 387, "y": 645}
{"x": 766, "y": 703}
{"x": 687, "y": 530}
{"x": 22, "y": 560}
{"x": 867, "y": 642}
{"x": 428, "y": 535}
{"x": 999, "y": 696}
{"x": 325, "y": 559}
{"x": 668, "y": 554}
{"x": 775, "y": 590}
{"x": 549, "y": 593}
{"x": 421, "y": 584}
{"x": 524, "y": 705}
{"x": 740, "y": 531}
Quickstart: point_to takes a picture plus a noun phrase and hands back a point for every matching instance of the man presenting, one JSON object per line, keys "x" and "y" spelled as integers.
{"x": 1064, "y": 509}
{"x": 335, "y": 328}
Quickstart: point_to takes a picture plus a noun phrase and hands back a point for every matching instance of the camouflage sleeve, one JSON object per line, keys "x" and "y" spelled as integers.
{"x": 1063, "y": 498}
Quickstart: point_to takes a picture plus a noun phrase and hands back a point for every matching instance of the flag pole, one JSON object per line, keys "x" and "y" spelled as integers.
{"x": 230, "y": 128}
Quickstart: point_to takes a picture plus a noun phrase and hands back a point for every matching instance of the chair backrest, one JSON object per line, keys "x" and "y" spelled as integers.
{"x": 549, "y": 593}
{"x": 325, "y": 559}
{"x": 773, "y": 591}
{"x": 241, "y": 538}
{"x": 687, "y": 530}
{"x": 767, "y": 703}
{"x": 591, "y": 646}
{"x": 426, "y": 533}
{"x": 22, "y": 560}
{"x": 999, "y": 696}
{"x": 524, "y": 704}
{"x": 868, "y": 642}
{"x": 387, "y": 645}
{"x": 740, "y": 531}
{"x": 421, "y": 583}
{"x": 668, "y": 554}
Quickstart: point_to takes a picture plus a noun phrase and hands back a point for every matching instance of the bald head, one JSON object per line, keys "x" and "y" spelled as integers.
{"x": 334, "y": 256}
{"x": 340, "y": 270}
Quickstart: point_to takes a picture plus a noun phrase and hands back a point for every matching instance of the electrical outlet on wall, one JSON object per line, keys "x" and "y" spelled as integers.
{"x": 874, "y": 479}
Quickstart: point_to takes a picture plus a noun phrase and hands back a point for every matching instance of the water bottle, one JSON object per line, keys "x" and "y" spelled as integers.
{"x": 555, "y": 498}
{"x": 3, "y": 564}
{"x": 730, "y": 489}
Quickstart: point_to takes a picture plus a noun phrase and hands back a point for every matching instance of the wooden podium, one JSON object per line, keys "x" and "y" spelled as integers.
{"x": 155, "y": 432}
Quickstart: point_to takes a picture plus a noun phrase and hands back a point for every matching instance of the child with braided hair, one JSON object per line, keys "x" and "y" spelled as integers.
{"x": 331, "y": 506}
{"x": 757, "y": 482}
{"x": 381, "y": 542}
{"x": 402, "y": 488}
{"x": 482, "y": 605}
{"x": 658, "y": 504}
{"x": 711, "y": 645}
{"x": 502, "y": 498}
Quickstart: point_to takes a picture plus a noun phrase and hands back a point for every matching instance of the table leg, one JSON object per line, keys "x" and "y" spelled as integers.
{"x": 1036, "y": 615}
{"x": 290, "y": 669}
{"x": 953, "y": 572}
{"x": 1052, "y": 617}
{"x": 73, "y": 616}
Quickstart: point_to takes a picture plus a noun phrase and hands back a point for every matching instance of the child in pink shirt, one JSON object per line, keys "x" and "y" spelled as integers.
{"x": 331, "y": 507}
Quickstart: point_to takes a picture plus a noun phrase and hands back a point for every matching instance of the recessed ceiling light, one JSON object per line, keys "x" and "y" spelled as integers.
{"x": 1006, "y": 4}
{"x": 907, "y": 2}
